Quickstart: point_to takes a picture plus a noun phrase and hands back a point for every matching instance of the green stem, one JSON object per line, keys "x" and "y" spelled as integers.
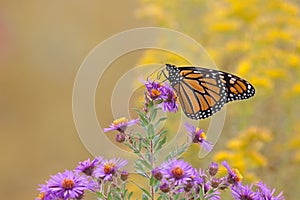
{"x": 152, "y": 165}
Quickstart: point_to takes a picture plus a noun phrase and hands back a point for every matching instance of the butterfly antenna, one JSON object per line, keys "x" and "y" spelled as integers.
{"x": 158, "y": 71}
{"x": 162, "y": 72}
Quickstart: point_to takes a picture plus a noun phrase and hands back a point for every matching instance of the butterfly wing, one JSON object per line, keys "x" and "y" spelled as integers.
{"x": 236, "y": 87}
{"x": 203, "y": 92}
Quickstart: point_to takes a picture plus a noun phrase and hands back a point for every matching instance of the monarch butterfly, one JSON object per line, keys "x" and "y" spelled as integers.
{"x": 202, "y": 92}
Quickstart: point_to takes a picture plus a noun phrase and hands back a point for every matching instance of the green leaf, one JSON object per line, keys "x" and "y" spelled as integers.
{"x": 100, "y": 195}
{"x": 150, "y": 104}
{"x": 160, "y": 120}
{"x": 153, "y": 113}
{"x": 153, "y": 181}
{"x": 194, "y": 194}
{"x": 146, "y": 164}
{"x": 201, "y": 192}
{"x": 125, "y": 192}
{"x": 139, "y": 135}
{"x": 139, "y": 166}
{"x": 156, "y": 187}
{"x": 163, "y": 132}
{"x": 150, "y": 131}
{"x": 109, "y": 196}
{"x": 143, "y": 118}
{"x": 159, "y": 145}
{"x": 160, "y": 198}
{"x": 144, "y": 197}
{"x": 143, "y": 189}
{"x": 141, "y": 173}
{"x": 178, "y": 151}
{"x": 159, "y": 135}
{"x": 130, "y": 195}
{"x": 210, "y": 194}
{"x": 146, "y": 141}
{"x": 176, "y": 196}
{"x": 140, "y": 145}
{"x": 163, "y": 196}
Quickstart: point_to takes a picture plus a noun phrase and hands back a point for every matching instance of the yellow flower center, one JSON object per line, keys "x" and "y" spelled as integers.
{"x": 177, "y": 172}
{"x": 155, "y": 92}
{"x": 239, "y": 176}
{"x": 68, "y": 183}
{"x": 120, "y": 120}
{"x": 108, "y": 167}
{"x": 41, "y": 196}
{"x": 202, "y": 135}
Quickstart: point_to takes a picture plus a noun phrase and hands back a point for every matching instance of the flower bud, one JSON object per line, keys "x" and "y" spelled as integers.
{"x": 124, "y": 175}
{"x": 215, "y": 182}
{"x": 164, "y": 187}
{"x": 188, "y": 186}
{"x": 157, "y": 174}
{"x": 120, "y": 137}
{"x": 213, "y": 168}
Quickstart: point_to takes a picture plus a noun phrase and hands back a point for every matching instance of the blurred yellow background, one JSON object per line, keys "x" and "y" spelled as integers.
{"x": 42, "y": 45}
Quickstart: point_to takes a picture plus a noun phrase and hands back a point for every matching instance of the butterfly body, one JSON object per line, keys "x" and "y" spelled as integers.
{"x": 202, "y": 92}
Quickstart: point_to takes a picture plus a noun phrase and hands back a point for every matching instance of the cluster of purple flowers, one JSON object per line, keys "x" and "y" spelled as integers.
{"x": 172, "y": 178}
{"x": 162, "y": 94}
{"x": 177, "y": 176}
{"x": 87, "y": 176}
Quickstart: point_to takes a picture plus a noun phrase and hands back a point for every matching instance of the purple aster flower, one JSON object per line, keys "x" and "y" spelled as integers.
{"x": 177, "y": 171}
{"x": 87, "y": 167}
{"x": 265, "y": 193}
{"x": 164, "y": 94}
{"x": 169, "y": 97}
{"x": 108, "y": 168}
{"x": 154, "y": 89}
{"x": 234, "y": 176}
{"x": 69, "y": 185}
{"x": 198, "y": 136}
{"x": 44, "y": 194}
{"x": 121, "y": 124}
{"x": 240, "y": 192}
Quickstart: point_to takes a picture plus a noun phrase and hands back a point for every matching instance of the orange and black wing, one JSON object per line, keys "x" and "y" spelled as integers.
{"x": 236, "y": 87}
{"x": 203, "y": 92}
